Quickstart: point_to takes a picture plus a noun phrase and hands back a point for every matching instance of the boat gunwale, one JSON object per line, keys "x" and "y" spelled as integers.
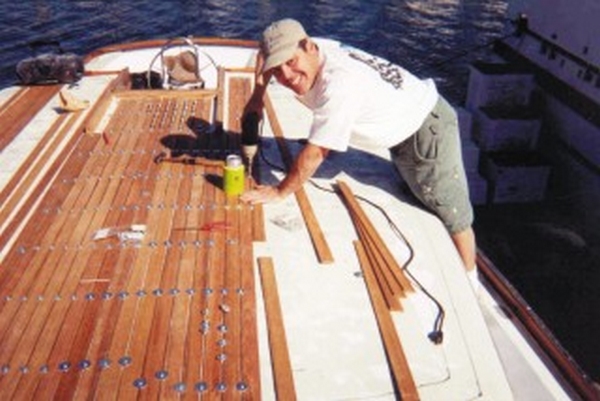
{"x": 153, "y": 43}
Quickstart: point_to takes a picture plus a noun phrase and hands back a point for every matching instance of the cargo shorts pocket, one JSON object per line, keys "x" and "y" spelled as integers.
{"x": 426, "y": 139}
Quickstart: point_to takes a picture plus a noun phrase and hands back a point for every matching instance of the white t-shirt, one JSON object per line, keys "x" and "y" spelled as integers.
{"x": 364, "y": 101}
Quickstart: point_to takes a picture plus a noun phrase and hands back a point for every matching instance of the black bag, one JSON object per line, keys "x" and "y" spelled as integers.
{"x": 51, "y": 67}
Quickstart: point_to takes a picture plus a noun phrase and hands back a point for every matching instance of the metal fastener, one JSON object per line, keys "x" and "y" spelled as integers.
{"x": 125, "y": 361}
{"x": 64, "y": 366}
{"x": 140, "y": 383}
{"x": 161, "y": 374}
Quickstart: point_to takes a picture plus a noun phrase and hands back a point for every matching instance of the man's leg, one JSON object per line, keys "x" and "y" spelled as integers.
{"x": 464, "y": 241}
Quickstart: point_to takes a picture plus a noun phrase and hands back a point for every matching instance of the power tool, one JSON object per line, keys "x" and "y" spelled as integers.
{"x": 250, "y": 138}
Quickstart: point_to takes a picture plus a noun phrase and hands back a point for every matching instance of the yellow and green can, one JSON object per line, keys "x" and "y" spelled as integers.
{"x": 233, "y": 176}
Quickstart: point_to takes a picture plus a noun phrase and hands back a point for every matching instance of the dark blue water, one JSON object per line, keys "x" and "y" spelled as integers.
{"x": 421, "y": 35}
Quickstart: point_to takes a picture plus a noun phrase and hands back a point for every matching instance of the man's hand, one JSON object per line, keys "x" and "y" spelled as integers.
{"x": 261, "y": 194}
{"x": 308, "y": 161}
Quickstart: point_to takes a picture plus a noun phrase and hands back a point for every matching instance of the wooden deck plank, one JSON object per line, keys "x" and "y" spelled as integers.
{"x": 85, "y": 331}
{"x": 281, "y": 364}
{"x": 134, "y": 325}
{"x": 182, "y": 310}
{"x": 250, "y": 370}
{"x": 65, "y": 280}
{"x": 397, "y": 359}
{"x": 28, "y": 245}
{"x": 21, "y": 110}
{"x": 101, "y": 266}
{"x": 116, "y": 267}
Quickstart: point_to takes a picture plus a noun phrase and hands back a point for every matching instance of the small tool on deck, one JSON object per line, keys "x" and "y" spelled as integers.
{"x": 250, "y": 138}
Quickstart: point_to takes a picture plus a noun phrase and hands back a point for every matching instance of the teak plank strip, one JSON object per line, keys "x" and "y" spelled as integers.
{"x": 105, "y": 269}
{"x": 180, "y": 328}
{"x": 46, "y": 179}
{"x": 280, "y": 358}
{"x": 163, "y": 327}
{"x": 395, "y": 353}
{"x": 22, "y": 171}
{"x": 96, "y": 280}
{"x": 141, "y": 332}
{"x": 32, "y": 280}
{"x": 66, "y": 269}
{"x": 389, "y": 291}
{"x": 324, "y": 254}
{"x": 127, "y": 320}
{"x": 10, "y": 277}
{"x": 363, "y": 220}
{"x": 116, "y": 266}
{"x": 250, "y": 357}
{"x": 65, "y": 318}
{"x": 118, "y": 83}
{"x": 8, "y": 103}
{"x": 20, "y": 111}
{"x": 10, "y": 225}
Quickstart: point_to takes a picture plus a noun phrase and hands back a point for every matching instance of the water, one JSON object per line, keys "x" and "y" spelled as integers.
{"x": 432, "y": 38}
{"x": 420, "y": 35}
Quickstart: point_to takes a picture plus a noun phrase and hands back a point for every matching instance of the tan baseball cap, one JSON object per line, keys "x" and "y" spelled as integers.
{"x": 280, "y": 41}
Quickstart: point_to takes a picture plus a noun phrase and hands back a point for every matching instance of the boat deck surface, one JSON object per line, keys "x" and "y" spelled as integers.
{"x": 125, "y": 271}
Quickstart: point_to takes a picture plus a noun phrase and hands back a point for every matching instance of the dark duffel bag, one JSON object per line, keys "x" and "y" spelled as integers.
{"x": 52, "y": 67}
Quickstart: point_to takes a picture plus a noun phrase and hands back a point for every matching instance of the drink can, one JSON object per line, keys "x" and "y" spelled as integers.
{"x": 233, "y": 175}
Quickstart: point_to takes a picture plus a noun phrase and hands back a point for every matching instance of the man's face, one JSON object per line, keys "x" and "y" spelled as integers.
{"x": 299, "y": 72}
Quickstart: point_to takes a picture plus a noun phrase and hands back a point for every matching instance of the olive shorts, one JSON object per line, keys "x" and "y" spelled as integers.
{"x": 430, "y": 161}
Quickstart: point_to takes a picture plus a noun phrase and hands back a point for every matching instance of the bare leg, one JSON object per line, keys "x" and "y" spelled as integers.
{"x": 464, "y": 241}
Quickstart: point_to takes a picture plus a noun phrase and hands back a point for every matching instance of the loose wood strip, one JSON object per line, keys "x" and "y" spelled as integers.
{"x": 395, "y": 353}
{"x": 316, "y": 234}
{"x": 389, "y": 291}
{"x": 364, "y": 221}
{"x": 280, "y": 358}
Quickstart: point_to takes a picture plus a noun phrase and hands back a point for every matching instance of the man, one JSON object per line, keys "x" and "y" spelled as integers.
{"x": 359, "y": 99}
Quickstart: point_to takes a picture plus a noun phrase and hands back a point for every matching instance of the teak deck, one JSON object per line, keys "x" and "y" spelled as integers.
{"x": 133, "y": 276}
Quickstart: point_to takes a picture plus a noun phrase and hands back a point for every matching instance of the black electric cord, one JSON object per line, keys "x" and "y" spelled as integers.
{"x": 437, "y": 334}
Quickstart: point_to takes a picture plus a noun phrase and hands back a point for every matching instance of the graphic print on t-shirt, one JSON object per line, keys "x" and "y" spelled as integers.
{"x": 389, "y": 72}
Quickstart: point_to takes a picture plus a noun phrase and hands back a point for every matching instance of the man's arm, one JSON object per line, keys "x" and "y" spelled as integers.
{"x": 305, "y": 165}
{"x": 261, "y": 81}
